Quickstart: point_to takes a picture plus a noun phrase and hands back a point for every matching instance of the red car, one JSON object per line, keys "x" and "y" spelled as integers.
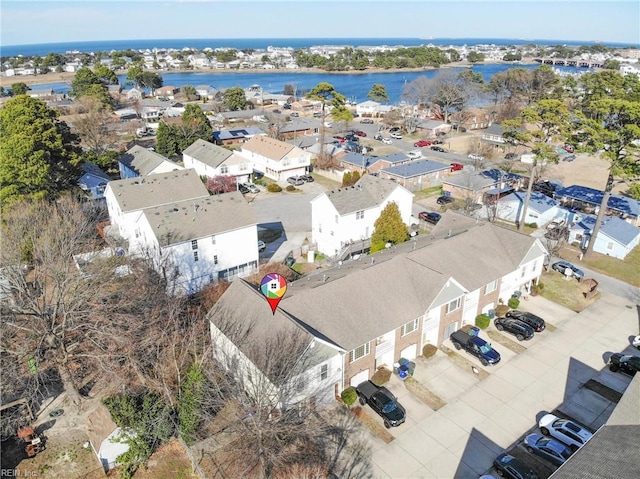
{"x": 341, "y": 139}
{"x": 422, "y": 143}
{"x": 360, "y": 133}
{"x": 456, "y": 166}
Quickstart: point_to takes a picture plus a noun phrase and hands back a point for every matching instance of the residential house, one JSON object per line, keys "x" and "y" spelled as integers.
{"x": 276, "y": 159}
{"x": 138, "y": 161}
{"x": 372, "y": 164}
{"x": 417, "y": 175}
{"x": 616, "y": 237}
{"x": 211, "y": 160}
{"x": 387, "y": 306}
{"x": 196, "y": 242}
{"x": 344, "y": 218}
{"x": 236, "y": 136}
{"x": 372, "y": 108}
{"x": 167, "y": 91}
{"x": 472, "y": 119}
{"x": 493, "y": 135}
{"x": 541, "y": 210}
{"x": 299, "y": 127}
{"x": 93, "y": 181}
{"x": 127, "y": 198}
{"x": 588, "y": 200}
{"x": 314, "y": 365}
{"x": 432, "y": 128}
{"x": 474, "y": 187}
{"x": 104, "y": 437}
{"x": 151, "y": 114}
{"x": 206, "y": 91}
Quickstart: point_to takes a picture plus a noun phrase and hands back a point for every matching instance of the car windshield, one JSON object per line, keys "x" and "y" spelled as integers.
{"x": 485, "y": 348}
{"x": 390, "y": 406}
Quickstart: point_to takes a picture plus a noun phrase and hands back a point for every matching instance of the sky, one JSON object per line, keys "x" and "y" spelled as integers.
{"x": 30, "y": 22}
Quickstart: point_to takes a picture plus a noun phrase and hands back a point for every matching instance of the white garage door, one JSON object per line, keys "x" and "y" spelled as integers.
{"x": 409, "y": 352}
{"x": 360, "y": 377}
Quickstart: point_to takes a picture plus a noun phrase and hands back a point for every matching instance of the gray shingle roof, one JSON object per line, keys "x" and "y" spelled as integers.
{"x": 199, "y": 218}
{"x": 612, "y": 226}
{"x": 143, "y": 161}
{"x": 367, "y": 193}
{"x": 268, "y": 147}
{"x": 416, "y": 168}
{"x": 538, "y": 202}
{"x": 134, "y": 194}
{"x": 208, "y": 153}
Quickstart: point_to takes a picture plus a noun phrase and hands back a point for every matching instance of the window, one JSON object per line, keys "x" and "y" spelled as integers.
{"x": 336, "y": 219}
{"x": 195, "y": 256}
{"x": 522, "y": 273}
{"x": 610, "y": 245}
{"x": 301, "y": 383}
{"x": 215, "y": 259}
{"x": 324, "y": 371}
{"x": 320, "y": 228}
{"x": 491, "y": 287}
{"x": 243, "y": 167}
{"x": 213, "y": 240}
{"x": 194, "y": 244}
{"x": 359, "y": 215}
{"x": 286, "y": 162}
{"x": 453, "y": 305}
{"x": 360, "y": 352}
{"x": 224, "y": 169}
{"x": 410, "y": 327}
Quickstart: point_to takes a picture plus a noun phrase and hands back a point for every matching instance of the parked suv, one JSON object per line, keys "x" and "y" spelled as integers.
{"x": 564, "y": 430}
{"x": 429, "y": 217}
{"x": 519, "y": 329}
{"x": 295, "y": 180}
{"x": 536, "y": 322}
{"x": 513, "y": 468}
{"x": 625, "y": 363}
{"x": 444, "y": 200}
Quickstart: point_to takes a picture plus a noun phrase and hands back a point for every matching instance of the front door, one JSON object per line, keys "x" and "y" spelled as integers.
{"x": 449, "y": 330}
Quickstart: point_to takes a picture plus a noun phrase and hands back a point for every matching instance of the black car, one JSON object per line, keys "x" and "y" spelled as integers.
{"x": 512, "y": 468}
{"x": 562, "y": 266}
{"x": 519, "y": 329}
{"x": 307, "y": 178}
{"x": 444, "y": 200}
{"x": 430, "y": 217}
{"x": 438, "y": 148}
{"x": 383, "y": 402}
{"x": 536, "y": 322}
{"x": 510, "y": 156}
{"x": 545, "y": 187}
{"x": 243, "y": 189}
{"x": 367, "y": 121}
{"x": 624, "y": 362}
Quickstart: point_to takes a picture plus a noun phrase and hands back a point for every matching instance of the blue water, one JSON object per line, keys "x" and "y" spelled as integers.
{"x": 353, "y": 86}
{"x": 263, "y": 43}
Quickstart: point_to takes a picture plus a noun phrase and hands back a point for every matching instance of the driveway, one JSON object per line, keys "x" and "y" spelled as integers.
{"x": 483, "y": 417}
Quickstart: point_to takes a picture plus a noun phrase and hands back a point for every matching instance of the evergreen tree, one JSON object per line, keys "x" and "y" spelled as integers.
{"x": 389, "y": 228}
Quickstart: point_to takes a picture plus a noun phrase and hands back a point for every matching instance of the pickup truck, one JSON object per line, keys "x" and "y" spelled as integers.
{"x": 383, "y": 402}
{"x": 476, "y": 346}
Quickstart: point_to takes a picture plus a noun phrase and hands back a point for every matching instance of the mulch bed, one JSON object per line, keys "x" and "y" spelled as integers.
{"x": 373, "y": 423}
{"x": 465, "y": 364}
{"x": 429, "y": 398}
{"x": 506, "y": 342}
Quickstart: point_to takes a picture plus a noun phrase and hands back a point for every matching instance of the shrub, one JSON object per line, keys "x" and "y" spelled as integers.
{"x": 501, "y": 310}
{"x": 429, "y": 350}
{"x": 274, "y": 188}
{"x": 381, "y": 376}
{"x": 290, "y": 188}
{"x": 532, "y": 225}
{"x": 483, "y": 321}
{"x": 349, "y": 395}
{"x": 537, "y": 288}
{"x": 513, "y": 303}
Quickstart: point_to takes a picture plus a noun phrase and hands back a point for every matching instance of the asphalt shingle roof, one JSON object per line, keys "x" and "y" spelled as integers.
{"x": 199, "y": 218}
{"x": 368, "y": 192}
{"x": 268, "y": 147}
{"x": 612, "y": 226}
{"x": 416, "y": 168}
{"x": 143, "y": 161}
{"x": 208, "y": 153}
{"x": 538, "y": 202}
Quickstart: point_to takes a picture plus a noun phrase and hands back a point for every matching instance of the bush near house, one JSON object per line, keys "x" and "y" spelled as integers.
{"x": 274, "y": 188}
{"x": 483, "y": 321}
{"x": 501, "y": 310}
{"x": 429, "y": 350}
{"x": 349, "y": 395}
{"x": 381, "y": 376}
{"x": 513, "y": 303}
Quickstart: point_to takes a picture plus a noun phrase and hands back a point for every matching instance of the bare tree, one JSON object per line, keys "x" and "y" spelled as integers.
{"x": 92, "y": 124}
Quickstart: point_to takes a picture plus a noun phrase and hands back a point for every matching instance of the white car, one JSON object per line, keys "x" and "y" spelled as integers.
{"x": 396, "y": 136}
{"x": 415, "y": 154}
{"x": 261, "y": 246}
{"x": 387, "y": 141}
{"x": 474, "y": 156}
{"x": 636, "y": 342}
{"x": 564, "y": 430}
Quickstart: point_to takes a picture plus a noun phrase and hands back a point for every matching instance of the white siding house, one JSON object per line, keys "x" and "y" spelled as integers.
{"x": 616, "y": 236}
{"x": 138, "y": 161}
{"x": 276, "y": 159}
{"x": 128, "y": 197}
{"x": 541, "y": 210}
{"x": 347, "y": 215}
{"x": 212, "y": 160}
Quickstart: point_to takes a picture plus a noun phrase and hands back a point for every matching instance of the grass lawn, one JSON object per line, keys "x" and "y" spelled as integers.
{"x": 567, "y": 293}
{"x": 326, "y": 182}
{"x": 427, "y": 193}
{"x": 627, "y": 270}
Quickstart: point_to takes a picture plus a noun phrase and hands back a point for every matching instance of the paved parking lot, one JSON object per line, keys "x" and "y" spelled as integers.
{"x": 485, "y": 417}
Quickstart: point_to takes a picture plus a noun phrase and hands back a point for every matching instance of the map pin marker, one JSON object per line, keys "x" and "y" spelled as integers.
{"x": 273, "y": 287}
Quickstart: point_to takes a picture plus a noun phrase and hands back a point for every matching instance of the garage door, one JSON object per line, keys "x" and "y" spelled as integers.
{"x": 409, "y": 352}
{"x": 360, "y": 377}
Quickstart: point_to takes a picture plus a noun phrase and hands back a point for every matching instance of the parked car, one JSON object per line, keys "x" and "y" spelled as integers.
{"x": 341, "y": 139}
{"x": 251, "y": 187}
{"x": 519, "y": 329}
{"x": 307, "y": 178}
{"x": 430, "y": 217}
{"x": 475, "y": 156}
{"x": 366, "y": 121}
{"x": 562, "y": 266}
{"x": 512, "y": 468}
{"x": 624, "y": 362}
{"x": 383, "y": 402}
{"x": 352, "y": 137}
{"x": 438, "y": 142}
{"x": 261, "y": 246}
{"x": 536, "y": 322}
{"x": 294, "y": 114}
{"x": 387, "y": 141}
{"x": 444, "y": 200}
{"x": 438, "y": 148}
{"x": 636, "y": 342}
{"x": 396, "y": 136}
{"x": 476, "y": 346}
{"x": 422, "y": 143}
{"x": 568, "y": 148}
{"x": 360, "y": 133}
{"x": 456, "y": 166}
{"x": 295, "y": 180}
{"x": 243, "y": 189}
{"x": 287, "y": 106}
{"x": 569, "y": 158}
{"x": 414, "y": 154}
{"x": 258, "y": 175}
{"x": 564, "y": 430}
{"x": 550, "y": 449}
{"x": 377, "y": 136}
{"x": 545, "y": 187}
{"x": 394, "y": 129}
{"x": 510, "y": 156}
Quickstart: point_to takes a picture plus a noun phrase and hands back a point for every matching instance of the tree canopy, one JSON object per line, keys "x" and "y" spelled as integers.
{"x": 234, "y": 98}
{"x": 175, "y": 138}
{"x": 378, "y": 93}
{"x": 39, "y": 154}
{"x": 388, "y": 228}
